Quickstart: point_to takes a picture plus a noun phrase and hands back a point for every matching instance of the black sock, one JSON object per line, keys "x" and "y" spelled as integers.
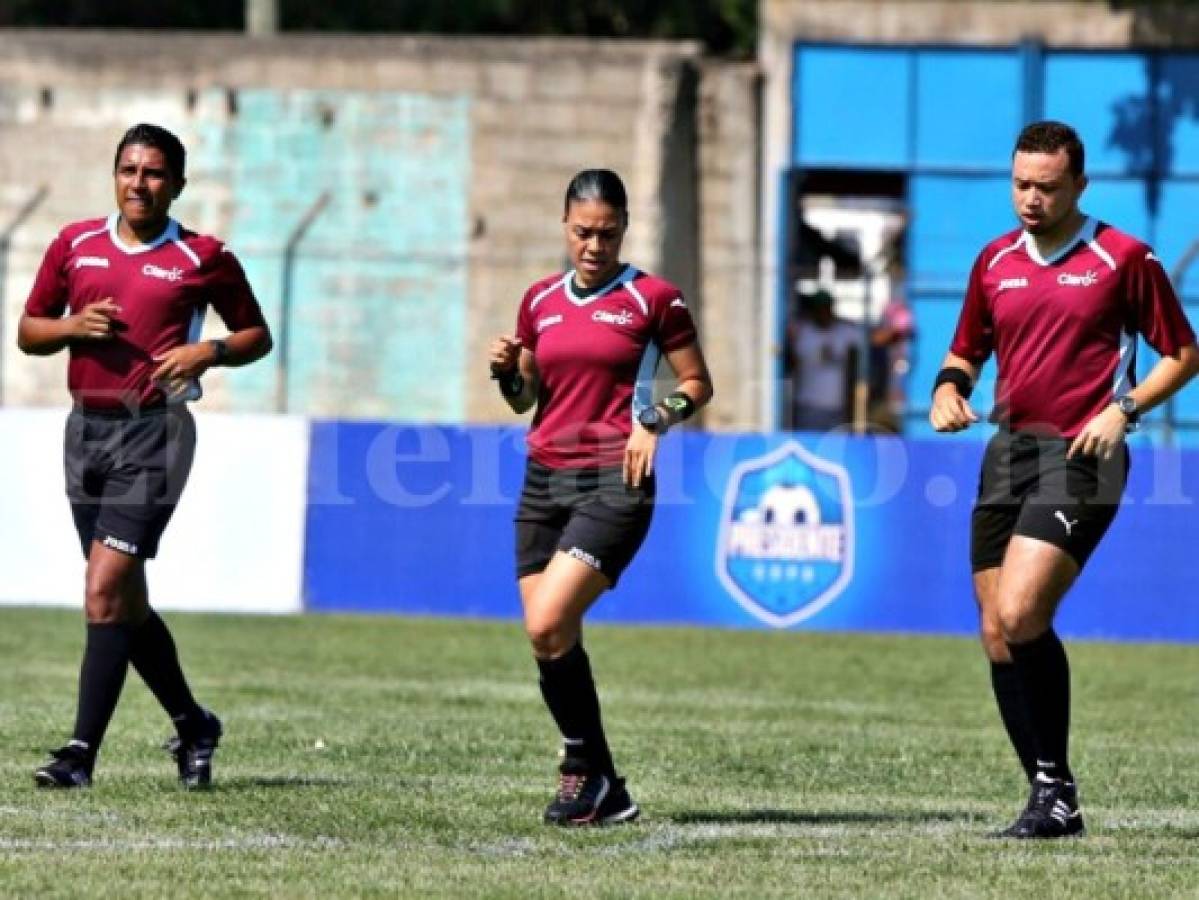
{"x": 1045, "y": 678}
{"x": 152, "y": 652}
{"x": 569, "y": 692}
{"x": 101, "y": 677}
{"x": 1009, "y": 695}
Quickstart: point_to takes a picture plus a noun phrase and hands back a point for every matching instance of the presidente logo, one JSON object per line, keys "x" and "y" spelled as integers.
{"x": 785, "y": 549}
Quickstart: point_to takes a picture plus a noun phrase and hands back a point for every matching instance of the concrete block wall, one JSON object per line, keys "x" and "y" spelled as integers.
{"x": 729, "y": 188}
{"x": 535, "y": 111}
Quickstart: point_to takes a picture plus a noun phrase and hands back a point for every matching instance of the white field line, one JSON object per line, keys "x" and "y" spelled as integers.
{"x": 509, "y": 847}
{"x": 78, "y": 816}
{"x": 1112, "y": 819}
{"x": 246, "y": 842}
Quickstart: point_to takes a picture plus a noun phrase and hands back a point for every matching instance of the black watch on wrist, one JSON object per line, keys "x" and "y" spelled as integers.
{"x": 1128, "y": 406}
{"x": 221, "y": 349}
{"x": 511, "y": 382}
{"x": 653, "y": 420}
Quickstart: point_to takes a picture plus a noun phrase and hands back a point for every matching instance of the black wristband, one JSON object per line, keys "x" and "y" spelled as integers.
{"x": 221, "y": 350}
{"x": 680, "y": 405}
{"x": 511, "y": 382}
{"x": 959, "y": 378}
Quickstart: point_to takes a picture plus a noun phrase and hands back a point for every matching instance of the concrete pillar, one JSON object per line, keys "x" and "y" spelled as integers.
{"x": 262, "y": 17}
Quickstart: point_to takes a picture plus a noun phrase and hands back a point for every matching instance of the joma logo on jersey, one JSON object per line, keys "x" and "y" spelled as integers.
{"x": 98, "y": 262}
{"x": 624, "y": 317}
{"x": 543, "y": 324}
{"x": 1011, "y": 283}
{"x": 1085, "y": 280}
{"x": 175, "y": 274}
{"x": 785, "y": 549}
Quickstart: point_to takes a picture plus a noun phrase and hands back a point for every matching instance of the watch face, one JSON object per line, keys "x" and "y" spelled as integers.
{"x": 649, "y": 417}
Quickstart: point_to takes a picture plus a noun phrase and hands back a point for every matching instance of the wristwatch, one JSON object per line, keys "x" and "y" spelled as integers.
{"x": 1132, "y": 412}
{"x": 652, "y": 420}
{"x": 221, "y": 349}
{"x": 678, "y": 404}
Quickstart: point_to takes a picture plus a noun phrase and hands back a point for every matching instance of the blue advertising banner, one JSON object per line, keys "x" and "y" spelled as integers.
{"x": 780, "y": 531}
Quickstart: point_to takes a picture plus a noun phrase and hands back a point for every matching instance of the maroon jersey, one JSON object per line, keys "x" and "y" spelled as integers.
{"x": 1063, "y": 329}
{"x": 162, "y": 288}
{"x": 596, "y": 358}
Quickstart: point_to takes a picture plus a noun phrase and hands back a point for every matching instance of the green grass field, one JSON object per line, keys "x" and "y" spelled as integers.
{"x": 376, "y": 756}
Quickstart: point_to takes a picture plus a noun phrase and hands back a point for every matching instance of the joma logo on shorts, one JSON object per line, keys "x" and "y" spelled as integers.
{"x": 624, "y": 317}
{"x": 584, "y": 557}
{"x": 175, "y": 274}
{"x": 117, "y": 544}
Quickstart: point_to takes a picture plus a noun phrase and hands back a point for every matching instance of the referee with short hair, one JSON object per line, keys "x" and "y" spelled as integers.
{"x": 125, "y": 296}
{"x": 1060, "y": 302}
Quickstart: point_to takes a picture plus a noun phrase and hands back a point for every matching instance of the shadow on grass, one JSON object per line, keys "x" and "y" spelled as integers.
{"x": 795, "y": 817}
{"x": 286, "y": 782}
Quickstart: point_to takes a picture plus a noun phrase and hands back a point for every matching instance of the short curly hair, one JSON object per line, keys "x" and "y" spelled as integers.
{"x": 1049, "y": 137}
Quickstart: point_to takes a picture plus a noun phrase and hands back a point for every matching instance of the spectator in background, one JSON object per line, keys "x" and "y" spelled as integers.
{"x": 890, "y": 359}
{"x": 825, "y": 351}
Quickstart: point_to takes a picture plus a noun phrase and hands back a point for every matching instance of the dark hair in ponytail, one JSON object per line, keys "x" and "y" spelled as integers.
{"x": 601, "y": 185}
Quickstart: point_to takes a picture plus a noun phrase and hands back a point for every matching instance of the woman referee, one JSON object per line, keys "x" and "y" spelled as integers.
{"x": 586, "y": 347}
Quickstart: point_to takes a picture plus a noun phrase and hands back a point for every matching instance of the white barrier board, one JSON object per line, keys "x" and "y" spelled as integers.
{"x": 235, "y": 544}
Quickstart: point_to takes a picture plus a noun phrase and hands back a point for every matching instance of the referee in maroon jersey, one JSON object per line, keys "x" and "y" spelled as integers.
{"x": 586, "y": 347}
{"x": 125, "y": 296}
{"x": 1060, "y": 302}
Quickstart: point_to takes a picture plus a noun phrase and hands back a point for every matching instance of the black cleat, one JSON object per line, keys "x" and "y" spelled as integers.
{"x": 69, "y": 767}
{"x": 618, "y": 807}
{"x": 193, "y": 754}
{"x": 1052, "y": 812}
{"x": 585, "y": 798}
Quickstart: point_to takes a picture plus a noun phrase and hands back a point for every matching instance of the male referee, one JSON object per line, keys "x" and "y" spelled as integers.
{"x": 1060, "y": 302}
{"x": 125, "y": 296}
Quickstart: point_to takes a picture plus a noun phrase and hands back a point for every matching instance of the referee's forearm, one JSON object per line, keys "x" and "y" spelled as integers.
{"x": 39, "y": 336}
{"x": 700, "y": 390}
{"x": 247, "y": 345}
{"x": 524, "y": 401}
{"x": 1166, "y": 378}
{"x": 953, "y": 361}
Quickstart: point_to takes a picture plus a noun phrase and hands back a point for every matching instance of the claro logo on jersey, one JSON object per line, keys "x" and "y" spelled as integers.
{"x": 1087, "y": 279}
{"x": 175, "y": 274}
{"x": 624, "y": 317}
{"x": 785, "y": 549}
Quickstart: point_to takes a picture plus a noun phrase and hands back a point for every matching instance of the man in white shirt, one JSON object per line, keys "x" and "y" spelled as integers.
{"x": 825, "y": 348}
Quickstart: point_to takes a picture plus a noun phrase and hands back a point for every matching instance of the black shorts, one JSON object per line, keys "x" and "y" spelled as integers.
{"x": 1028, "y": 487}
{"x": 125, "y": 473}
{"x": 590, "y": 514}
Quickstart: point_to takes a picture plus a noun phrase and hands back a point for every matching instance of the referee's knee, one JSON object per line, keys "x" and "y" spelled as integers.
{"x": 104, "y": 603}
{"x": 1021, "y": 624}
{"x": 994, "y": 643}
{"x": 551, "y": 638}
